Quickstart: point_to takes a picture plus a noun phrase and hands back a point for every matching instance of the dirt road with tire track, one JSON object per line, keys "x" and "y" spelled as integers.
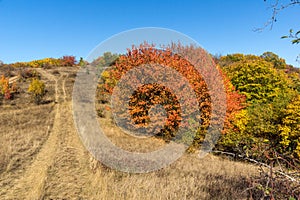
{"x": 57, "y": 171}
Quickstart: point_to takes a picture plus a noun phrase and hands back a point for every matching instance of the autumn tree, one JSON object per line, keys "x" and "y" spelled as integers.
{"x": 290, "y": 128}
{"x": 37, "y": 90}
{"x": 257, "y": 79}
{"x": 278, "y": 63}
{"x": 152, "y": 94}
{"x": 269, "y": 91}
{"x": 6, "y": 89}
{"x": 68, "y": 61}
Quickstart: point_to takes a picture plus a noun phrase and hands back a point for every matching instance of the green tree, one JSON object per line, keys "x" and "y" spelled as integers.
{"x": 107, "y": 59}
{"x": 278, "y": 63}
{"x": 257, "y": 79}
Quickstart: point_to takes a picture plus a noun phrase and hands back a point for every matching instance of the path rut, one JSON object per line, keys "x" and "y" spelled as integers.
{"x": 60, "y": 169}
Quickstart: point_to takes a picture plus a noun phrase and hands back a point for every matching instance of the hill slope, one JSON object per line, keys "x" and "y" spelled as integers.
{"x": 42, "y": 157}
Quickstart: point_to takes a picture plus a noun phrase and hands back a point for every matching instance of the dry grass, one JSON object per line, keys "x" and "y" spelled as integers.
{"x": 19, "y": 139}
{"x": 129, "y": 142}
{"x": 188, "y": 178}
{"x": 22, "y": 134}
{"x": 73, "y": 174}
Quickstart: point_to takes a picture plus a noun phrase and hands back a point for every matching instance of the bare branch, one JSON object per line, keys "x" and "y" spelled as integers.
{"x": 281, "y": 172}
{"x": 276, "y": 9}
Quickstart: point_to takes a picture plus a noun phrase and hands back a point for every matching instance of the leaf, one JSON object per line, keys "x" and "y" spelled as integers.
{"x": 283, "y": 37}
{"x": 296, "y": 41}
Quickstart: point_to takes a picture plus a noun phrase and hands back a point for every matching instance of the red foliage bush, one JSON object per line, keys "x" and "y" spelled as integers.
{"x": 68, "y": 61}
{"x": 151, "y": 94}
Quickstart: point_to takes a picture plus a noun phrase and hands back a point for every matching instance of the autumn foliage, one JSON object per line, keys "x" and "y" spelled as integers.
{"x": 289, "y": 129}
{"x": 47, "y": 62}
{"x": 37, "y": 90}
{"x": 150, "y": 94}
{"x": 67, "y": 61}
{"x": 262, "y": 97}
{"x": 7, "y": 89}
{"x": 270, "y": 121}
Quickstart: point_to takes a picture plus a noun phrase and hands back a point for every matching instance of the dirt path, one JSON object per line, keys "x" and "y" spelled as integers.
{"x": 68, "y": 174}
{"x": 61, "y": 168}
{"x": 57, "y": 170}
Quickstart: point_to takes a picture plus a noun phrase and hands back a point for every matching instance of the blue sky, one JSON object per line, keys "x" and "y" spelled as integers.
{"x": 35, "y": 29}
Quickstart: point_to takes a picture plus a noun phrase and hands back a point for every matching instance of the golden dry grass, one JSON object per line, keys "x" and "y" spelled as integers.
{"x": 39, "y": 164}
{"x": 188, "y": 178}
{"x": 22, "y": 134}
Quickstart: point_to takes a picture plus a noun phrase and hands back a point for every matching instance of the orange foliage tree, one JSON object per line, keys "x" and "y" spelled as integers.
{"x": 150, "y": 94}
{"x": 6, "y": 89}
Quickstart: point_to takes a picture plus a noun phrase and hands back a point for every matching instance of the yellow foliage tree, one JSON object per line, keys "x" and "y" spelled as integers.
{"x": 290, "y": 128}
{"x": 37, "y": 90}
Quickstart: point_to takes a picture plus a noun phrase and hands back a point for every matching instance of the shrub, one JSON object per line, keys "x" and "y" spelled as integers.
{"x": 26, "y": 73}
{"x": 37, "y": 90}
{"x": 7, "y": 71}
{"x": 46, "y": 62}
{"x": 257, "y": 79}
{"x": 294, "y": 76}
{"x": 152, "y": 94}
{"x": 43, "y": 63}
{"x": 68, "y": 61}
{"x": 82, "y": 62}
{"x": 290, "y": 128}
{"x": 273, "y": 184}
{"x": 265, "y": 123}
{"x": 7, "y": 89}
{"x": 277, "y": 62}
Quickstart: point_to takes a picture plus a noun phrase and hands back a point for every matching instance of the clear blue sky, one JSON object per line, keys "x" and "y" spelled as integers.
{"x": 34, "y": 29}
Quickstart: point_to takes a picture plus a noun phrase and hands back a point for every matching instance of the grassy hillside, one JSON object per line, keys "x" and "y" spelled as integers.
{"x": 42, "y": 156}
